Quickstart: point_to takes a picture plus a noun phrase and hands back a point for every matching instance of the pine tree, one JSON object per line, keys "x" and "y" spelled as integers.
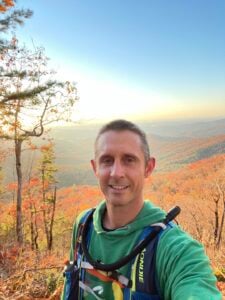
{"x": 10, "y": 18}
{"x": 30, "y": 99}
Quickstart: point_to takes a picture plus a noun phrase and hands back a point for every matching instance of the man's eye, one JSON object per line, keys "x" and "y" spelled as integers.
{"x": 107, "y": 160}
{"x": 130, "y": 159}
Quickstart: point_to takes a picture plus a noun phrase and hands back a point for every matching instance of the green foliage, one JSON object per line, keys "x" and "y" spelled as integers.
{"x": 7, "y": 228}
{"x": 47, "y": 167}
{"x": 52, "y": 281}
{"x": 9, "y": 22}
{"x": 13, "y": 19}
{"x": 30, "y": 95}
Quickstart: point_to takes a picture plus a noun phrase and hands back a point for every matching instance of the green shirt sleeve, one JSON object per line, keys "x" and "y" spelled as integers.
{"x": 183, "y": 269}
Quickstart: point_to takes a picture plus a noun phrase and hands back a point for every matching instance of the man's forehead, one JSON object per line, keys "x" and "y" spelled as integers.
{"x": 118, "y": 139}
{"x": 111, "y": 135}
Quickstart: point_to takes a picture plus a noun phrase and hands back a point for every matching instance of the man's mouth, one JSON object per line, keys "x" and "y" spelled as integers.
{"x": 118, "y": 187}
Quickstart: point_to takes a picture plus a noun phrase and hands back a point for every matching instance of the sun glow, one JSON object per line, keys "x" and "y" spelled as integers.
{"x": 102, "y": 99}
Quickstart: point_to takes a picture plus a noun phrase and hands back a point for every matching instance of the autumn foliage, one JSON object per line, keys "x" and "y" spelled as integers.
{"x": 36, "y": 272}
{"x": 5, "y": 5}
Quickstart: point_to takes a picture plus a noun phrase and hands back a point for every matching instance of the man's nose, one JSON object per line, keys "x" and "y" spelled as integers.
{"x": 117, "y": 170}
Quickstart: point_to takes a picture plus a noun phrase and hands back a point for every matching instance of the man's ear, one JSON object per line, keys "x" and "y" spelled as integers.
{"x": 93, "y": 164}
{"x": 150, "y": 166}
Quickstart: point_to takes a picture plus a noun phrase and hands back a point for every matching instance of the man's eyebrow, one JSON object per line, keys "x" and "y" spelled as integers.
{"x": 130, "y": 155}
{"x": 103, "y": 156}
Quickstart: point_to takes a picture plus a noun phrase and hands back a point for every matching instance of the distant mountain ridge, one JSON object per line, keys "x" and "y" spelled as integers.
{"x": 176, "y": 154}
{"x": 194, "y": 129}
{"x": 173, "y": 144}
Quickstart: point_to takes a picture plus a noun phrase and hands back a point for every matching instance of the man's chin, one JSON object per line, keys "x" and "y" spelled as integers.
{"x": 117, "y": 202}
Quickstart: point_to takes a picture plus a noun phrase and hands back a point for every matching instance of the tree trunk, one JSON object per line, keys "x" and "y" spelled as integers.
{"x": 222, "y": 222}
{"x": 46, "y": 227}
{"x": 216, "y": 226}
{"x": 19, "y": 222}
{"x": 36, "y": 230}
{"x": 31, "y": 228}
{"x": 52, "y": 221}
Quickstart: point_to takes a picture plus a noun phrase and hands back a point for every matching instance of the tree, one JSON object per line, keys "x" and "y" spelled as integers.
{"x": 3, "y": 155}
{"x": 218, "y": 196}
{"x": 9, "y": 21}
{"x": 31, "y": 99}
{"x": 48, "y": 186}
{"x": 31, "y": 208}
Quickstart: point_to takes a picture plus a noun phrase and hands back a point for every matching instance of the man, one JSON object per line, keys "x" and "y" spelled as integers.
{"x": 179, "y": 270}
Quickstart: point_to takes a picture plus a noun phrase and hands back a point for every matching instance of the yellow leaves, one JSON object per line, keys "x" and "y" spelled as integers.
{"x": 54, "y": 110}
{"x": 5, "y": 122}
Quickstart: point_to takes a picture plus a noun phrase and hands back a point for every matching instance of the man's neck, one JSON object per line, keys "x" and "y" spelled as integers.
{"x": 119, "y": 216}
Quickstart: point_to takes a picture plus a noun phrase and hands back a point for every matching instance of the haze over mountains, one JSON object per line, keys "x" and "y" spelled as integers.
{"x": 174, "y": 144}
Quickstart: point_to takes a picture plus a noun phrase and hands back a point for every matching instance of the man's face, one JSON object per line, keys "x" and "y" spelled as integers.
{"x": 120, "y": 167}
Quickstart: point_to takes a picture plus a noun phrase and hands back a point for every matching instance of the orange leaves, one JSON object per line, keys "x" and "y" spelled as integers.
{"x": 8, "y": 2}
{"x": 5, "y": 5}
{"x": 46, "y": 147}
{"x": 221, "y": 286}
{"x": 12, "y": 186}
{"x": 34, "y": 182}
{"x": 72, "y": 200}
{"x": 31, "y": 145}
{"x": 3, "y": 8}
{"x": 9, "y": 254}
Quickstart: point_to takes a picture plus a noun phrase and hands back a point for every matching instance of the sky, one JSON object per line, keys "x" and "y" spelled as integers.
{"x": 151, "y": 59}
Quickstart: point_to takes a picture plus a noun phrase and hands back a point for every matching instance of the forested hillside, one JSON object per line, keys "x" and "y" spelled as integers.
{"x": 198, "y": 188}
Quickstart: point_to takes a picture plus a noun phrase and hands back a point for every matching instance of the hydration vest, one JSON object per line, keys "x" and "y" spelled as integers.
{"x": 140, "y": 284}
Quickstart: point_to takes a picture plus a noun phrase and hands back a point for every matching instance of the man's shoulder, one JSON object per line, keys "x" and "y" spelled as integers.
{"x": 175, "y": 240}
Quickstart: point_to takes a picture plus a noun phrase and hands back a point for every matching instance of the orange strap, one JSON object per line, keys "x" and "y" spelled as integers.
{"x": 102, "y": 276}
